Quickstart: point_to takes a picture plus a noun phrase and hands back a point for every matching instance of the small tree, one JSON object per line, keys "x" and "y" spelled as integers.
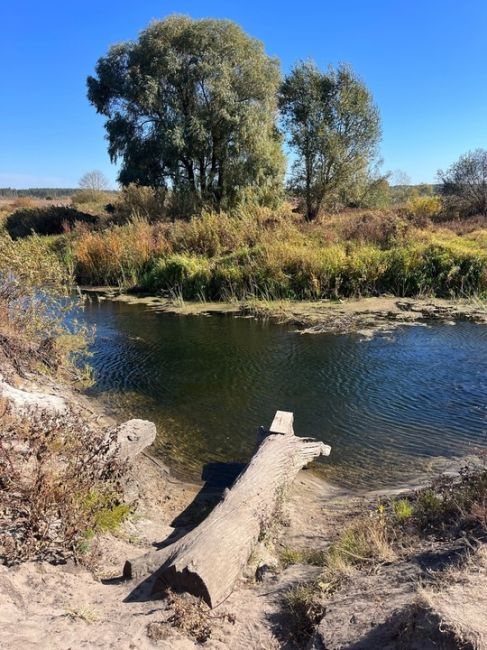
{"x": 333, "y": 127}
{"x": 94, "y": 181}
{"x": 464, "y": 184}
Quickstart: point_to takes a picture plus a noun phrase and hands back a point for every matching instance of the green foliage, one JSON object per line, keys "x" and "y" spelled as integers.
{"x": 454, "y": 502}
{"x": 191, "y": 105}
{"x": 34, "y": 302}
{"x": 181, "y": 275}
{"x": 141, "y": 202}
{"x": 423, "y": 208}
{"x": 402, "y": 508}
{"x": 102, "y": 510}
{"x": 51, "y": 220}
{"x": 333, "y": 128}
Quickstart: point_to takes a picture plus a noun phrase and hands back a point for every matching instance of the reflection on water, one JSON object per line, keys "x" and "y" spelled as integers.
{"x": 386, "y": 406}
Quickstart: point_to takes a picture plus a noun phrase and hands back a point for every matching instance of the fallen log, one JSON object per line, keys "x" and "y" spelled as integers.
{"x": 209, "y": 559}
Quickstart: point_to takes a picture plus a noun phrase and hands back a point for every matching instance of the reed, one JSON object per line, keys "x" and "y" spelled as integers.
{"x": 269, "y": 254}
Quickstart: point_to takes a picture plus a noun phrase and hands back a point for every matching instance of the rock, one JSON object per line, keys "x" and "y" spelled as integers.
{"x": 133, "y": 437}
{"x": 25, "y": 402}
{"x": 264, "y": 572}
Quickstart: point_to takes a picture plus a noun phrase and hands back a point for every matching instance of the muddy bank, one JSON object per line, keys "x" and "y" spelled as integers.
{"x": 367, "y": 316}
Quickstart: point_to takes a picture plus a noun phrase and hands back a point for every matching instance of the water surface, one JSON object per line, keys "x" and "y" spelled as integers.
{"x": 387, "y": 406}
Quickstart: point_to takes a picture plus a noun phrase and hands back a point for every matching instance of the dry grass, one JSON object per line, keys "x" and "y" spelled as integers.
{"x": 304, "y": 607}
{"x": 189, "y": 616}
{"x": 83, "y": 613}
{"x": 117, "y": 255}
{"x": 59, "y": 485}
{"x": 366, "y": 542}
{"x": 260, "y": 253}
{"x": 460, "y": 600}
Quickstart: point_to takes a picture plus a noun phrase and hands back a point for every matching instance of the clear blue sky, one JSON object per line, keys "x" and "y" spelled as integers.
{"x": 425, "y": 62}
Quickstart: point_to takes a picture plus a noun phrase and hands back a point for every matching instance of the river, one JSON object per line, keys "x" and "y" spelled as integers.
{"x": 390, "y": 407}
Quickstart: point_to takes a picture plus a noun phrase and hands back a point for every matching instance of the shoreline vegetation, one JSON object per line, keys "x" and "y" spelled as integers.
{"x": 263, "y": 256}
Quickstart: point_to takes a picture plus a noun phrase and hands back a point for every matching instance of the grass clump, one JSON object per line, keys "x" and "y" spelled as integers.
{"x": 83, "y": 613}
{"x": 366, "y": 540}
{"x": 304, "y": 607}
{"x": 402, "y": 509}
{"x": 289, "y": 556}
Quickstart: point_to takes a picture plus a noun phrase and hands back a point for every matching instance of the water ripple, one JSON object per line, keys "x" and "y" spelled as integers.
{"x": 386, "y": 406}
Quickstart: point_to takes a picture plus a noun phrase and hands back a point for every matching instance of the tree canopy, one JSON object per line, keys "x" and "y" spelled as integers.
{"x": 464, "y": 184}
{"x": 192, "y": 106}
{"x": 333, "y": 128}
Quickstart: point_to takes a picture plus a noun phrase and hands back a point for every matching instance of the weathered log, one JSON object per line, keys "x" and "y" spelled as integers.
{"x": 208, "y": 560}
{"x": 133, "y": 437}
{"x": 25, "y": 402}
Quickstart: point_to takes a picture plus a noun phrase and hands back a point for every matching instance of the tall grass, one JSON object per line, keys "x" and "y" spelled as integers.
{"x": 118, "y": 255}
{"x": 271, "y": 254}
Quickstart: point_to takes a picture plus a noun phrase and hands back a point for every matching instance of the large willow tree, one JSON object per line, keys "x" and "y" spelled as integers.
{"x": 191, "y": 106}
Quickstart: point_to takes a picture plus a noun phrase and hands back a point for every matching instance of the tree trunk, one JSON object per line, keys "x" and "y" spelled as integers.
{"x": 208, "y": 560}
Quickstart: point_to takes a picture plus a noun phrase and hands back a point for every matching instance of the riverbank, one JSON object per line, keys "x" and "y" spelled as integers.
{"x": 296, "y": 591}
{"x": 367, "y": 316}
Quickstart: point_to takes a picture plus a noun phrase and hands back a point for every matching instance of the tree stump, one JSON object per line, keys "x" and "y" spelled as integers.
{"x": 209, "y": 559}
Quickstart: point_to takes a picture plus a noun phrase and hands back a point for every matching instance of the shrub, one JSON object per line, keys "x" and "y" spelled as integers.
{"x": 383, "y": 229}
{"x": 34, "y": 300}
{"x": 141, "y": 202}
{"x": 424, "y": 208}
{"x": 59, "y": 484}
{"x": 182, "y": 275}
{"x": 51, "y": 220}
{"x": 454, "y": 502}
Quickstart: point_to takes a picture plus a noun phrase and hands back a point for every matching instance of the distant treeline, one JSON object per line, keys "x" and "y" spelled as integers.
{"x": 398, "y": 192}
{"x": 37, "y": 192}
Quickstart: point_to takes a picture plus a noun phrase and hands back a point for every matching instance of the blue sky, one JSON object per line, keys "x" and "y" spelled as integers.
{"x": 424, "y": 61}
